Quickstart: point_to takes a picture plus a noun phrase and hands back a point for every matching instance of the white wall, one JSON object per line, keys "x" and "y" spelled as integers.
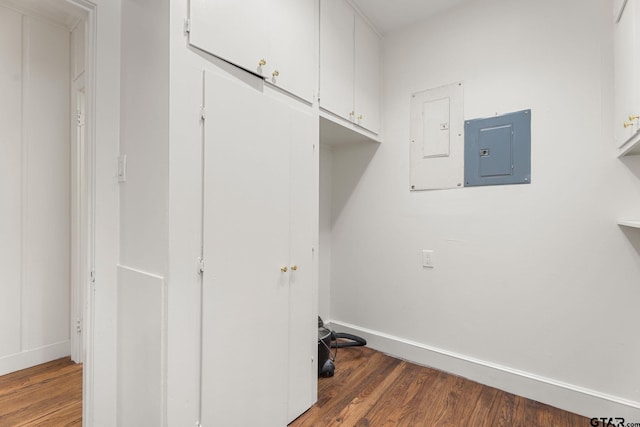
{"x": 103, "y": 126}
{"x": 35, "y": 254}
{"x": 144, "y": 135}
{"x": 144, "y": 212}
{"x": 324, "y": 238}
{"x": 535, "y": 287}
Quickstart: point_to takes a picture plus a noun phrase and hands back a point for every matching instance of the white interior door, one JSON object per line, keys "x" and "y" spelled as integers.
{"x": 246, "y": 243}
{"x": 303, "y": 309}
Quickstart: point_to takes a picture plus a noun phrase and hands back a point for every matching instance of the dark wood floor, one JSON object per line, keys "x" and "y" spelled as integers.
{"x": 368, "y": 389}
{"x": 373, "y": 389}
{"x": 45, "y": 395}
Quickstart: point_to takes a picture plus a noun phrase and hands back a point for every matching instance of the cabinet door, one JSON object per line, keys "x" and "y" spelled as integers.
{"x": 626, "y": 85}
{"x": 336, "y": 57}
{"x": 276, "y": 40}
{"x": 232, "y": 30}
{"x": 293, "y": 46}
{"x": 367, "y": 76}
{"x": 245, "y": 244}
{"x": 303, "y": 311}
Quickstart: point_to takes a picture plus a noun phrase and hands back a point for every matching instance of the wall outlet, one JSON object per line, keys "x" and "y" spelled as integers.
{"x": 427, "y": 258}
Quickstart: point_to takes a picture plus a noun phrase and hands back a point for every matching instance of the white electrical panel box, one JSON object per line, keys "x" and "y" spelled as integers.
{"x": 437, "y": 139}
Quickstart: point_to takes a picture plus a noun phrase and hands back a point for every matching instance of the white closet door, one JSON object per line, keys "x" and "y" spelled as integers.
{"x": 336, "y": 57}
{"x": 246, "y": 243}
{"x": 303, "y": 311}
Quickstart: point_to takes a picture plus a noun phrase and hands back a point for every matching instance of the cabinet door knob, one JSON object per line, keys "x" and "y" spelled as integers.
{"x": 284, "y": 269}
{"x": 351, "y": 114}
{"x": 632, "y": 117}
{"x": 262, "y": 63}
{"x": 627, "y": 124}
{"x": 294, "y": 267}
{"x": 275, "y": 73}
{"x": 360, "y": 117}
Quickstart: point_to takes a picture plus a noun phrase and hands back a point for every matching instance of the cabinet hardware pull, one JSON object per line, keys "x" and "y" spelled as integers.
{"x": 632, "y": 117}
{"x": 262, "y": 63}
{"x": 360, "y": 117}
{"x": 276, "y": 73}
{"x": 294, "y": 267}
{"x": 284, "y": 269}
{"x": 627, "y": 124}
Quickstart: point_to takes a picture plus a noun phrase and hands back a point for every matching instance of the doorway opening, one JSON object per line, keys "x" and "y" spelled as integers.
{"x": 47, "y": 78}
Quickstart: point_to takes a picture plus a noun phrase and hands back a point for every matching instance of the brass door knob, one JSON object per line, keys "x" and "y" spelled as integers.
{"x": 632, "y": 117}
{"x": 294, "y": 267}
{"x": 360, "y": 117}
{"x": 284, "y": 269}
{"x": 262, "y": 63}
{"x": 276, "y": 73}
{"x": 627, "y": 124}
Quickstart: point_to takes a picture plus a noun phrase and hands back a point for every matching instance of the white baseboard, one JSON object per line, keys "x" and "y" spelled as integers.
{"x": 569, "y": 397}
{"x": 29, "y": 358}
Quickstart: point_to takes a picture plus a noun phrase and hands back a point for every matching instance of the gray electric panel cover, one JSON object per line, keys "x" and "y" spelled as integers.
{"x": 497, "y": 150}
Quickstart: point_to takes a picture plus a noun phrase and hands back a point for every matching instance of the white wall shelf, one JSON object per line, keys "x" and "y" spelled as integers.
{"x": 634, "y": 223}
{"x": 631, "y": 147}
{"x": 337, "y": 131}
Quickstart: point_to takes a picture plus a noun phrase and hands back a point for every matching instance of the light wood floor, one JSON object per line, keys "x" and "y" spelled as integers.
{"x": 45, "y": 395}
{"x": 372, "y": 389}
{"x": 368, "y": 389}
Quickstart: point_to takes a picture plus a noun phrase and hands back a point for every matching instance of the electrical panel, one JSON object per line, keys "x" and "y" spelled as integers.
{"x": 437, "y": 145}
{"x": 497, "y": 150}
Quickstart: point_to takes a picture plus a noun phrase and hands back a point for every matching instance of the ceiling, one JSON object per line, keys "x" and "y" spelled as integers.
{"x": 390, "y": 15}
{"x": 60, "y": 11}
{"x": 386, "y": 15}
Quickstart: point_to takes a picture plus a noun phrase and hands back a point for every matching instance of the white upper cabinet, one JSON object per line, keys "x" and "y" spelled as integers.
{"x": 349, "y": 65}
{"x": 627, "y": 68}
{"x": 366, "y": 100}
{"x": 276, "y": 40}
{"x": 336, "y": 57}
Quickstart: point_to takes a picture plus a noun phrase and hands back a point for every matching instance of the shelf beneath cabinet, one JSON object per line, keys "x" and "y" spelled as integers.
{"x": 634, "y": 223}
{"x": 631, "y": 147}
{"x": 337, "y": 131}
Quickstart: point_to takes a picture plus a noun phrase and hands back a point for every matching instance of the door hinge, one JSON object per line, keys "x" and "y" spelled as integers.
{"x": 92, "y": 276}
{"x": 80, "y": 118}
{"x": 187, "y": 26}
{"x": 78, "y": 326}
{"x": 200, "y": 265}
{"x": 203, "y": 113}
